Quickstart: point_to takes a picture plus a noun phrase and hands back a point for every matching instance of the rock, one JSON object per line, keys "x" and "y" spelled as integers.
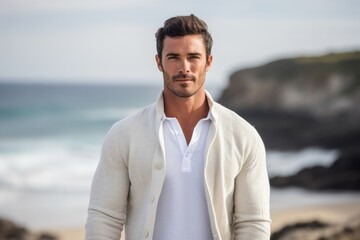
{"x": 346, "y": 233}
{"x": 315, "y": 230}
{"x": 8, "y": 230}
{"x": 11, "y": 231}
{"x": 319, "y": 84}
{"x": 294, "y": 130}
{"x": 343, "y": 174}
{"x": 46, "y": 236}
{"x": 304, "y": 226}
{"x": 300, "y": 102}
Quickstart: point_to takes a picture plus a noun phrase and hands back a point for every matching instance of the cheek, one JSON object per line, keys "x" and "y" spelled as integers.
{"x": 168, "y": 68}
{"x": 166, "y": 76}
{"x": 200, "y": 69}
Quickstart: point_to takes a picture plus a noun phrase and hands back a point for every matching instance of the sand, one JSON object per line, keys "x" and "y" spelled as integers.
{"x": 330, "y": 213}
{"x": 69, "y": 234}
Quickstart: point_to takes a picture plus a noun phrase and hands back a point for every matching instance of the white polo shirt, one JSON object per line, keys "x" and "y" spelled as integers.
{"x": 182, "y": 210}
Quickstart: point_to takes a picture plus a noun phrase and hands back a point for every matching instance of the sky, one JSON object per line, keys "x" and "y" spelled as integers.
{"x": 108, "y": 41}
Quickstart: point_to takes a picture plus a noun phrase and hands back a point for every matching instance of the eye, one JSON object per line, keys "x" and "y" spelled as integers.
{"x": 172, "y": 56}
{"x": 194, "y": 57}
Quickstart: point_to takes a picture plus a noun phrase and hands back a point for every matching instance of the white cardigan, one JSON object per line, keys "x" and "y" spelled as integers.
{"x": 129, "y": 178}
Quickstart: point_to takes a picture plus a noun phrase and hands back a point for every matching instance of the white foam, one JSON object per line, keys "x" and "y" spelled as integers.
{"x": 48, "y": 166}
{"x": 289, "y": 163}
{"x": 287, "y": 198}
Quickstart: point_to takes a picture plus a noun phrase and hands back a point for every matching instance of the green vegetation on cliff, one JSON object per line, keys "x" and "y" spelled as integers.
{"x": 328, "y": 83}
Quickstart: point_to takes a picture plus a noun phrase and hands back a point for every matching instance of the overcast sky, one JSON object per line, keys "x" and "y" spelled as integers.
{"x": 108, "y": 41}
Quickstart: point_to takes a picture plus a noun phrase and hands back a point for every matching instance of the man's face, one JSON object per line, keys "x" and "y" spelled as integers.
{"x": 184, "y": 65}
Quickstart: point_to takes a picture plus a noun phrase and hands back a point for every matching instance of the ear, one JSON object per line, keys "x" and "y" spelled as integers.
{"x": 208, "y": 63}
{"x": 158, "y": 63}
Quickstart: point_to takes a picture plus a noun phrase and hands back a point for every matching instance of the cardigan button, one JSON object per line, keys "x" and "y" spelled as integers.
{"x": 158, "y": 165}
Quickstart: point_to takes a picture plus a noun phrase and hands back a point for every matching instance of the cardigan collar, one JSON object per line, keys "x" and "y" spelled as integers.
{"x": 160, "y": 111}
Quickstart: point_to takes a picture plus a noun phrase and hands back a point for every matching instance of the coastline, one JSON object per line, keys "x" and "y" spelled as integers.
{"x": 335, "y": 213}
{"x": 64, "y": 215}
{"x": 331, "y": 213}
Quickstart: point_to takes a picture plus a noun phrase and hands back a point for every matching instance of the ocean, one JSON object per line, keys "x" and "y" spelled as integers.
{"x": 50, "y": 140}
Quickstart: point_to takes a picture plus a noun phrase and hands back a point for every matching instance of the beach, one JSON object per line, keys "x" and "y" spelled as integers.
{"x": 288, "y": 207}
{"x": 336, "y": 213}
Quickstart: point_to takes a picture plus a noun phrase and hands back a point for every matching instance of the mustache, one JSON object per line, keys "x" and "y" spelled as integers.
{"x": 183, "y": 75}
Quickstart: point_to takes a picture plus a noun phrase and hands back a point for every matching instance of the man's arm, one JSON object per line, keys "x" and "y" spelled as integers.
{"x": 109, "y": 193}
{"x": 251, "y": 195}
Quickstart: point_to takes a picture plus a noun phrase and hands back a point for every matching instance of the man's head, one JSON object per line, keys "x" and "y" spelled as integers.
{"x": 182, "y": 26}
{"x": 184, "y": 55}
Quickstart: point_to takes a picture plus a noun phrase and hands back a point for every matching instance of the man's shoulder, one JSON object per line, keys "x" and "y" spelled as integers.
{"x": 232, "y": 121}
{"x": 234, "y": 126}
{"x": 229, "y": 115}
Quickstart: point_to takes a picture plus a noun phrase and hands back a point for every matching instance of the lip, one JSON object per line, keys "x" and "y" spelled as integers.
{"x": 183, "y": 79}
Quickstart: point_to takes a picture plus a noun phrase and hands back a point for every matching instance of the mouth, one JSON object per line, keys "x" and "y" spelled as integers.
{"x": 183, "y": 78}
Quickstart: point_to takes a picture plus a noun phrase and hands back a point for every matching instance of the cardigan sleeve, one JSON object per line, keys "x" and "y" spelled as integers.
{"x": 109, "y": 193}
{"x": 252, "y": 194}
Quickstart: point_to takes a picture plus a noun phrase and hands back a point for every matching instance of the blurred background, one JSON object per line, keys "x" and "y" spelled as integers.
{"x": 70, "y": 69}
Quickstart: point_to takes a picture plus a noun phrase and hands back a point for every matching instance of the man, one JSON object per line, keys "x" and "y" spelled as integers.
{"x": 184, "y": 167}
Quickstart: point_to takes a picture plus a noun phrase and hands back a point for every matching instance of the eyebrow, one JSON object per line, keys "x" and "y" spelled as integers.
{"x": 176, "y": 54}
{"x": 195, "y": 54}
{"x": 172, "y": 55}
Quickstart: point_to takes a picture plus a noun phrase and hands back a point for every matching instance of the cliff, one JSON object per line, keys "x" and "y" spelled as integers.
{"x": 300, "y": 102}
{"x": 321, "y": 85}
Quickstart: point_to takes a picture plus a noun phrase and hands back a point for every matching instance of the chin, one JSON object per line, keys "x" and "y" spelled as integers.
{"x": 184, "y": 93}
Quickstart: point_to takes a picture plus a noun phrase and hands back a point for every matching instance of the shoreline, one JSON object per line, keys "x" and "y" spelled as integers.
{"x": 331, "y": 213}
{"x": 66, "y": 218}
{"x": 334, "y": 213}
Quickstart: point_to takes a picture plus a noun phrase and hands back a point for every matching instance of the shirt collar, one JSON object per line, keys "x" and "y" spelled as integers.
{"x": 208, "y": 117}
{"x": 160, "y": 112}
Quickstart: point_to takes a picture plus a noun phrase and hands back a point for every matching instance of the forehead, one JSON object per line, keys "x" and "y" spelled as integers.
{"x": 184, "y": 44}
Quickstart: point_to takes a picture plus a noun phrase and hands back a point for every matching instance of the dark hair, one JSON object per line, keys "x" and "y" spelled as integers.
{"x": 181, "y": 26}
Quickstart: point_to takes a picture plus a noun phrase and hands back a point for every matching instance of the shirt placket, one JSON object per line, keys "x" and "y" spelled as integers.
{"x": 187, "y": 150}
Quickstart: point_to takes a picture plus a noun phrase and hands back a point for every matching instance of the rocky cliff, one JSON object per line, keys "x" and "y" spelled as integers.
{"x": 300, "y": 102}
{"x": 305, "y": 102}
{"x": 322, "y": 85}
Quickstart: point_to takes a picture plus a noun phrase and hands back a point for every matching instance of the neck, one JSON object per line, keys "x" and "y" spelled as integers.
{"x": 188, "y": 111}
{"x": 194, "y": 107}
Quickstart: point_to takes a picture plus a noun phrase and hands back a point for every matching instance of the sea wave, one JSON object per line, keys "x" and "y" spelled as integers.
{"x": 281, "y": 163}
{"x": 68, "y": 165}
{"x": 48, "y": 166}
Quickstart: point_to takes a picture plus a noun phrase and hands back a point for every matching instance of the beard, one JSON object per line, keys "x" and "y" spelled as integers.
{"x": 181, "y": 89}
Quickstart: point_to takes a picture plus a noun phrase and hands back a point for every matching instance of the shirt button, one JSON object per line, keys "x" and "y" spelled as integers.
{"x": 146, "y": 234}
{"x": 158, "y": 165}
{"x": 153, "y": 199}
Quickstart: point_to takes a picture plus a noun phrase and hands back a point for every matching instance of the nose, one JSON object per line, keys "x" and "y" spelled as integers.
{"x": 184, "y": 66}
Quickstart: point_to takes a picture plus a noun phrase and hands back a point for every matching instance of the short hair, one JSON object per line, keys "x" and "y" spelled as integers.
{"x": 182, "y": 26}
